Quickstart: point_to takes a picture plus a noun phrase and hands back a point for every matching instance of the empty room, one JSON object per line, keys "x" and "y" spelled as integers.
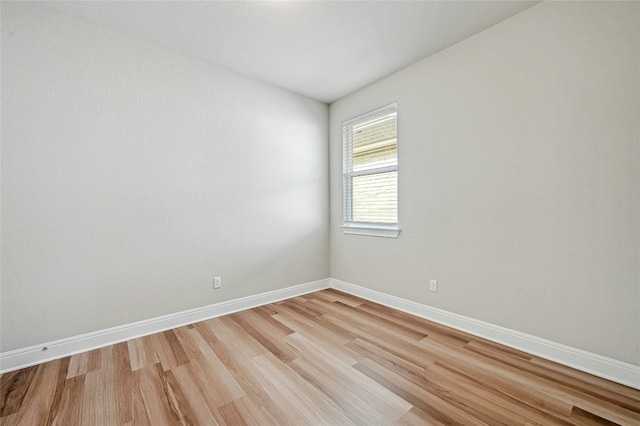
{"x": 320, "y": 213}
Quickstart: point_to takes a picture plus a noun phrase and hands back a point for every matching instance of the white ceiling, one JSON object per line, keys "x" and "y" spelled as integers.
{"x": 320, "y": 49}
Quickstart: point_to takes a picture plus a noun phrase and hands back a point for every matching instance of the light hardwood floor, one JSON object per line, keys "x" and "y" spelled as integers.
{"x": 326, "y": 358}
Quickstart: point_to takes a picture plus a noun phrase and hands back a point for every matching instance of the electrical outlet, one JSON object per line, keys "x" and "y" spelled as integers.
{"x": 433, "y": 285}
{"x": 217, "y": 282}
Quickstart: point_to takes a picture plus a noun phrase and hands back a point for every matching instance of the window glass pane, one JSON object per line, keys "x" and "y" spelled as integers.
{"x": 375, "y": 198}
{"x": 370, "y": 161}
{"x": 374, "y": 143}
{"x": 371, "y": 157}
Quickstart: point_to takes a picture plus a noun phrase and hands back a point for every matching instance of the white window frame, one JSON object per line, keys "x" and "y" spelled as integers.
{"x": 388, "y": 230}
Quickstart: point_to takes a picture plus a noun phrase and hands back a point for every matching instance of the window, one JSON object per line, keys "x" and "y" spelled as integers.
{"x": 370, "y": 173}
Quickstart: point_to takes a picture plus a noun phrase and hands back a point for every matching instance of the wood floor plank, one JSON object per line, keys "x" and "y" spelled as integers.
{"x": 168, "y": 350}
{"x": 392, "y": 343}
{"x": 13, "y": 388}
{"x": 496, "y": 350}
{"x": 256, "y": 398}
{"x": 417, "y": 396}
{"x": 469, "y": 402}
{"x": 341, "y": 376}
{"x": 40, "y": 395}
{"x": 303, "y": 309}
{"x": 228, "y": 331}
{"x": 484, "y": 405}
{"x": 325, "y": 341}
{"x": 266, "y": 313}
{"x": 597, "y": 387}
{"x": 94, "y": 361}
{"x": 63, "y": 371}
{"x": 586, "y": 418}
{"x": 9, "y": 420}
{"x": 326, "y": 358}
{"x": 147, "y": 352}
{"x": 541, "y": 371}
{"x": 405, "y": 355}
{"x": 416, "y": 417}
{"x": 140, "y": 417}
{"x": 159, "y": 406}
{"x": 368, "y": 320}
{"x": 124, "y": 379}
{"x": 137, "y": 354}
{"x": 271, "y": 396}
{"x": 443, "y": 333}
{"x": 593, "y": 405}
{"x": 182, "y": 404}
{"x": 332, "y": 295}
{"x": 231, "y": 415}
{"x": 299, "y": 395}
{"x": 282, "y": 351}
{"x": 265, "y": 323}
{"x": 495, "y": 394}
{"x": 249, "y": 413}
{"x": 78, "y": 365}
{"x": 361, "y": 399}
{"x": 197, "y": 392}
{"x": 360, "y": 329}
{"x": 70, "y": 409}
{"x": 99, "y": 399}
{"x": 524, "y": 386}
{"x": 214, "y": 375}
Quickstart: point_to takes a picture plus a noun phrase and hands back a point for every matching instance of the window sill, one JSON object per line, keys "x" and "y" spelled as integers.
{"x": 371, "y": 230}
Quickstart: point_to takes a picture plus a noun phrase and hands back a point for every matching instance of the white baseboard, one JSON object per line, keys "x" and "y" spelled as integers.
{"x": 33, "y": 355}
{"x": 611, "y": 369}
{"x": 608, "y": 368}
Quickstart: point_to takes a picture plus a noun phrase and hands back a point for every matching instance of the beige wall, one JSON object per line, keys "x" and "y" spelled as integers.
{"x": 131, "y": 176}
{"x": 519, "y": 178}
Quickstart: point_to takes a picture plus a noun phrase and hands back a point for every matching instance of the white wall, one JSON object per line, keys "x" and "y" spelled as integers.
{"x": 131, "y": 176}
{"x": 519, "y": 178}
